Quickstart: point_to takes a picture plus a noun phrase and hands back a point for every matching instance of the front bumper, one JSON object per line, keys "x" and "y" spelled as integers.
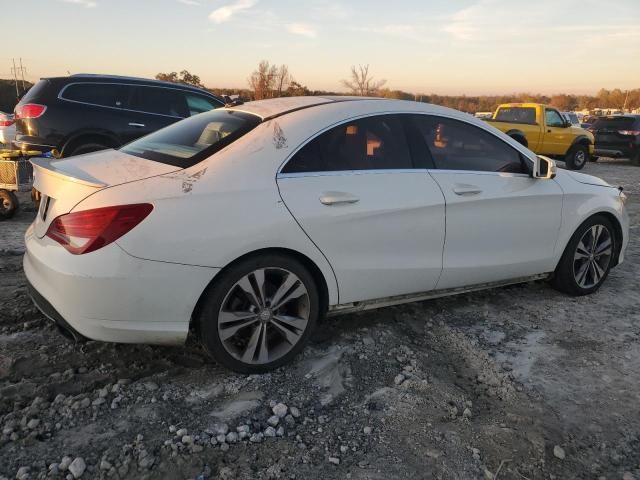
{"x": 108, "y": 295}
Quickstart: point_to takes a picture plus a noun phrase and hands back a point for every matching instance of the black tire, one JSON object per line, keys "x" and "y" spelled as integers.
{"x": 577, "y": 157}
{"x": 86, "y": 148}
{"x": 565, "y": 275}
{"x": 224, "y": 287}
{"x": 593, "y": 158}
{"x": 521, "y": 140}
{"x": 9, "y": 204}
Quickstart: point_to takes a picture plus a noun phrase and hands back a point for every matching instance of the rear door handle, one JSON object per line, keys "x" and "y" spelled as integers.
{"x": 337, "y": 198}
{"x": 466, "y": 190}
{"x": 137, "y": 125}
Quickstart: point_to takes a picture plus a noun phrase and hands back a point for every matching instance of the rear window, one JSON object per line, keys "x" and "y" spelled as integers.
{"x": 516, "y": 115}
{"x": 190, "y": 141}
{"x": 34, "y": 91}
{"x": 617, "y": 123}
{"x": 103, "y": 94}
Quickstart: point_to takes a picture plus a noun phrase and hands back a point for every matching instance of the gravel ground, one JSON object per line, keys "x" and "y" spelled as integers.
{"x": 515, "y": 383}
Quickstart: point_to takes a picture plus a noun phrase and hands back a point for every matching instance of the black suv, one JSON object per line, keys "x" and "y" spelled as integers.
{"x": 618, "y": 136}
{"x": 84, "y": 113}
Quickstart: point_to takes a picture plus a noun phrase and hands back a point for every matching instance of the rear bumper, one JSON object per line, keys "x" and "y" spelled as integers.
{"x": 111, "y": 296}
{"x": 613, "y": 152}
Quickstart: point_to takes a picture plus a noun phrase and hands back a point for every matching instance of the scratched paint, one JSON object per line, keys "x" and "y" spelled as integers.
{"x": 190, "y": 180}
{"x": 279, "y": 140}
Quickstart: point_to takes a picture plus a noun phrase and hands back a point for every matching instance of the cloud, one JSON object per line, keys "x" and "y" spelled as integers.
{"x": 84, "y": 3}
{"x": 302, "y": 29}
{"x": 224, "y": 14}
{"x": 398, "y": 29}
{"x": 191, "y": 3}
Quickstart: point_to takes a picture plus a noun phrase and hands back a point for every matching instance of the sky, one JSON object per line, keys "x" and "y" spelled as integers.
{"x": 472, "y": 47}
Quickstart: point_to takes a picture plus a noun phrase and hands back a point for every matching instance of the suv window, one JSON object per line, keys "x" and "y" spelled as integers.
{"x": 615, "y": 123}
{"x": 373, "y": 143}
{"x": 517, "y": 115}
{"x": 456, "y": 145}
{"x": 198, "y": 104}
{"x": 159, "y": 100}
{"x": 553, "y": 118}
{"x": 190, "y": 141}
{"x": 103, "y": 94}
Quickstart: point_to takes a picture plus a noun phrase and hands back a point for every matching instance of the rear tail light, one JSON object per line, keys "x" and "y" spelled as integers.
{"x": 633, "y": 133}
{"x": 6, "y": 123}
{"x": 29, "y": 110}
{"x": 88, "y": 230}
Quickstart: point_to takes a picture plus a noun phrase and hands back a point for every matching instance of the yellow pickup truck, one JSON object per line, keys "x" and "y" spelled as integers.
{"x": 544, "y": 130}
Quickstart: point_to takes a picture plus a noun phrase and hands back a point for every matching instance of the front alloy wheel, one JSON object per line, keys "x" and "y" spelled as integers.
{"x": 588, "y": 257}
{"x": 259, "y": 313}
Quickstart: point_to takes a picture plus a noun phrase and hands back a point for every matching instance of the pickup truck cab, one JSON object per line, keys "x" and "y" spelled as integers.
{"x": 545, "y": 131}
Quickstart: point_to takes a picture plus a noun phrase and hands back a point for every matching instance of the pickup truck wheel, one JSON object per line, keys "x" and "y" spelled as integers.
{"x": 577, "y": 157}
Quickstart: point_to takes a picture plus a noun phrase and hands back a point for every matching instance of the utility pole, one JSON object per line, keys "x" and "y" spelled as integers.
{"x": 22, "y": 69}
{"x": 14, "y": 70}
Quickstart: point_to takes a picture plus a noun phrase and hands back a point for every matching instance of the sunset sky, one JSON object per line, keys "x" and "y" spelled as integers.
{"x": 439, "y": 46}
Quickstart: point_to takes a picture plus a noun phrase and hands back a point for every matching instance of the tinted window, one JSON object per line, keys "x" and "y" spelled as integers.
{"x": 107, "y": 95}
{"x": 553, "y": 118}
{"x": 188, "y": 142}
{"x": 615, "y": 123}
{"x": 456, "y": 145}
{"x": 198, "y": 104}
{"x": 163, "y": 101}
{"x": 374, "y": 143}
{"x": 517, "y": 115}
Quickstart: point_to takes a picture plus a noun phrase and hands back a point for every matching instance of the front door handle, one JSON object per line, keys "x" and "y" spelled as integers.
{"x": 337, "y": 198}
{"x": 137, "y": 125}
{"x": 466, "y": 190}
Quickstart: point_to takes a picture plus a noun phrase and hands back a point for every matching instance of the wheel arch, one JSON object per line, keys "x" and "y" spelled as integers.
{"x": 518, "y": 136}
{"x": 580, "y": 140}
{"x": 104, "y": 138}
{"x": 314, "y": 270}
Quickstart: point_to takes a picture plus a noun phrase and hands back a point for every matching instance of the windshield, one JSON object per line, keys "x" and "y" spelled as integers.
{"x": 190, "y": 141}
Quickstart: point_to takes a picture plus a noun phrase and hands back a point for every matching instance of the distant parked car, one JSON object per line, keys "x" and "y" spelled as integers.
{"x": 85, "y": 113}
{"x": 618, "y": 136}
{"x": 7, "y": 128}
{"x": 572, "y": 118}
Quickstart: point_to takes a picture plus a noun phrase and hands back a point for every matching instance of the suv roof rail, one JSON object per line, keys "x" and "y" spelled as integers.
{"x": 139, "y": 79}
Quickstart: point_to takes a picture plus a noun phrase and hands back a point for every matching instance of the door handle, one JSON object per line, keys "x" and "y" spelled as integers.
{"x": 337, "y": 198}
{"x": 137, "y": 125}
{"x": 466, "y": 190}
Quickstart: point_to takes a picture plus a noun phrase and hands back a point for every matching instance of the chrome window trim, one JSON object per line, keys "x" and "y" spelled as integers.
{"x": 60, "y": 97}
{"x": 334, "y": 173}
{"x": 309, "y": 139}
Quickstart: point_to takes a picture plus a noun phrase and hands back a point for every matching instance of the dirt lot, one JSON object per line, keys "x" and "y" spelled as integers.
{"x": 515, "y": 383}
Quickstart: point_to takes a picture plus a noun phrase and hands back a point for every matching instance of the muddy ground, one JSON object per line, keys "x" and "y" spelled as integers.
{"x": 515, "y": 383}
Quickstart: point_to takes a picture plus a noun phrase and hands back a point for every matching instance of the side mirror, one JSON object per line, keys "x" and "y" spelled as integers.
{"x": 544, "y": 167}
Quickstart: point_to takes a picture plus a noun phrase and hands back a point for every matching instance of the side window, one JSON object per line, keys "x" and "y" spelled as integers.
{"x": 553, "y": 118}
{"x": 164, "y": 101}
{"x": 198, "y": 104}
{"x": 106, "y": 95}
{"x": 456, "y": 145}
{"x": 374, "y": 143}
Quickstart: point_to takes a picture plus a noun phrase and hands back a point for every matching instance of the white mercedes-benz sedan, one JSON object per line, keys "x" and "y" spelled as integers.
{"x": 249, "y": 223}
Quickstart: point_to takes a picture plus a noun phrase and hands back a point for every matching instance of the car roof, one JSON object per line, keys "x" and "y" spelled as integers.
{"x": 95, "y": 77}
{"x": 276, "y": 107}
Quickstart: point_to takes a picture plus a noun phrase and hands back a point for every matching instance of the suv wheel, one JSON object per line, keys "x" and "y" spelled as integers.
{"x": 86, "y": 148}
{"x": 577, "y": 157}
{"x": 586, "y": 261}
{"x": 259, "y": 314}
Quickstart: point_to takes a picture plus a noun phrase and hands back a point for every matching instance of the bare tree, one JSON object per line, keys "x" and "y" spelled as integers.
{"x": 262, "y": 80}
{"x": 361, "y": 83}
{"x": 282, "y": 80}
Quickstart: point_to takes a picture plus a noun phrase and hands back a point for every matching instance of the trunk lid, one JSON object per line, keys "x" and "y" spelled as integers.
{"x": 66, "y": 182}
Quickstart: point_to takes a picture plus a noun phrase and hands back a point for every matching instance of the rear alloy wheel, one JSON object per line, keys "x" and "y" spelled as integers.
{"x": 577, "y": 157}
{"x": 587, "y": 260}
{"x": 8, "y": 204}
{"x": 260, "y": 314}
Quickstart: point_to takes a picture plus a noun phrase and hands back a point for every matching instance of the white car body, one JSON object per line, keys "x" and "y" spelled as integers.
{"x": 414, "y": 233}
{"x": 7, "y": 132}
